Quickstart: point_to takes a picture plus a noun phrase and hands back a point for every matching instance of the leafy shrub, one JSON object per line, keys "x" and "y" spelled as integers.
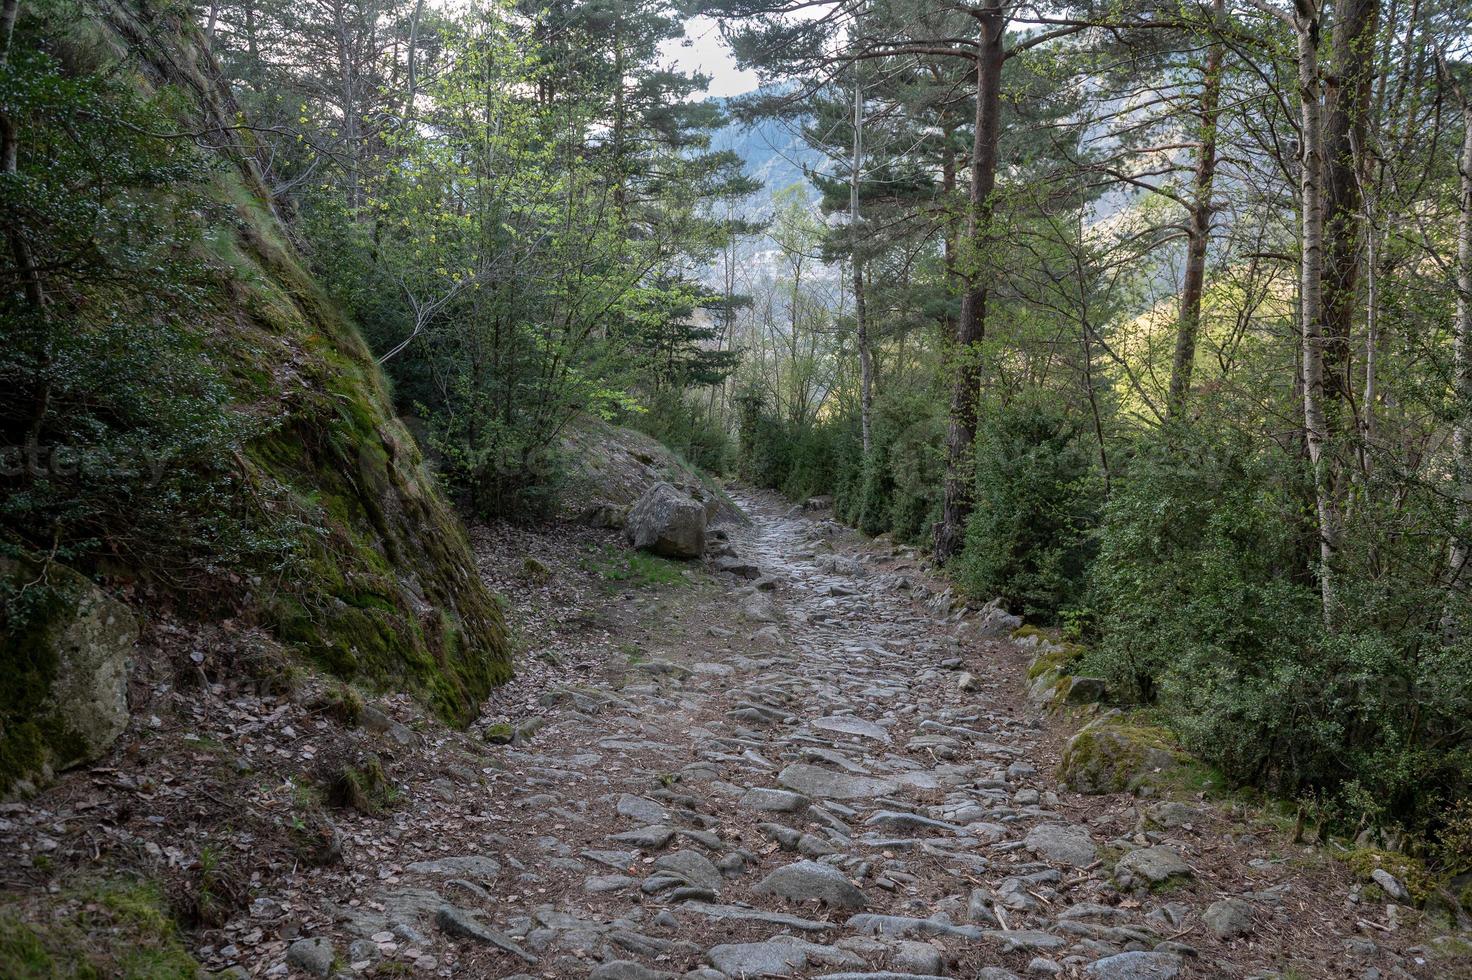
{"x": 1207, "y": 607}
{"x": 1037, "y": 499}
{"x": 686, "y": 428}
{"x": 120, "y": 441}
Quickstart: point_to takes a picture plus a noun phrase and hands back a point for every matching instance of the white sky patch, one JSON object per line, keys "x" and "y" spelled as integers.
{"x": 704, "y": 50}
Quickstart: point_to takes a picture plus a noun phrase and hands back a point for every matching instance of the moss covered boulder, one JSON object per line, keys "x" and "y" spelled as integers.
{"x": 1111, "y": 755}
{"x": 65, "y": 651}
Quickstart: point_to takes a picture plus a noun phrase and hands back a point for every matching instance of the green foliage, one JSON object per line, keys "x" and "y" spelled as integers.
{"x": 635, "y": 568}
{"x": 520, "y": 256}
{"x": 119, "y": 440}
{"x": 1206, "y": 607}
{"x": 686, "y": 427}
{"x": 1037, "y": 499}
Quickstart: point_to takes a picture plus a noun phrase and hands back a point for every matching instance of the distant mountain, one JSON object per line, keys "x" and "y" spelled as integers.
{"x": 775, "y": 154}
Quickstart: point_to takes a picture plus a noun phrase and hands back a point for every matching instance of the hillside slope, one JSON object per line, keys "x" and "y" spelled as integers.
{"x": 382, "y": 589}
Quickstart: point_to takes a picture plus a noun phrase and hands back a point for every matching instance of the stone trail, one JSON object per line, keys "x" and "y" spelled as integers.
{"x": 814, "y": 790}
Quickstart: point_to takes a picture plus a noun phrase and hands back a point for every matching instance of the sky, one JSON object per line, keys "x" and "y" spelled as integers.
{"x": 704, "y": 50}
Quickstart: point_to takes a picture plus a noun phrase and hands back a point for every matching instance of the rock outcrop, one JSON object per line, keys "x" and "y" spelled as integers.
{"x": 667, "y": 522}
{"x": 386, "y": 591}
{"x": 66, "y": 648}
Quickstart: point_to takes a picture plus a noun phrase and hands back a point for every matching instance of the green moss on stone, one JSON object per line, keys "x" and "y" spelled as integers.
{"x": 1113, "y": 756}
{"x": 1411, "y": 871}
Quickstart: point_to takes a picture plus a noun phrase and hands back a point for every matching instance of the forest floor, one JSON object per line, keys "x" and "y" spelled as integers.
{"x": 775, "y": 772}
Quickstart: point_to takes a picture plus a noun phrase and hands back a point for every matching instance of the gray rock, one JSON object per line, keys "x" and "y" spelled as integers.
{"x": 881, "y": 975}
{"x": 779, "y": 957}
{"x": 473, "y": 865}
{"x": 1041, "y": 966}
{"x": 830, "y": 785}
{"x": 1172, "y": 815}
{"x": 667, "y": 522}
{"x": 857, "y": 727}
{"x": 599, "y": 884}
{"x": 312, "y": 956}
{"x": 1153, "y": 864}
{"x": 81, "y": 640}
{"x": 627, "y": 970}
{"x": 617, "y": 860}
{"x": 692, "y": 867}
{"x": 900, "y": 820}
{"x": 738, "y": 567}
{"x": 996, "y": 973}
{"x": 1025, "y": 940}
{"x": 604, "y": 514}
{"x": 910, "y": 956}
{"x": 376, "y": 720}
{"x": 1229, "y": 917}
{"x": 1062, "y": 844}
{"x": 774, "y": 800}
{"x": 717, "y": 913}
{"x": 759, "y": 608}
{"x": 1085, "y": 690}
{"x": 1393, "y": 886}
{"x": 806, "y": 881}
{"x": 645, "y": 811}
{"x": 462, "y": 925}
{"x": 871, "y": 924}
{"x": 1135, "y": 966}
{"x": 650, "y": 838}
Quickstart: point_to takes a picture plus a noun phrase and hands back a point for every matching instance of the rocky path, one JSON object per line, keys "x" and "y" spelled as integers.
{"x": 796, "y": 781}
{"x": 797, "y": 761}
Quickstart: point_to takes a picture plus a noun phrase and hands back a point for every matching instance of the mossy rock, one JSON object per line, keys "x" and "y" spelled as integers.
{"x": 1115, "y": 756}
{"x": 1364, "y": 861}
{"x": 66, "y": 648}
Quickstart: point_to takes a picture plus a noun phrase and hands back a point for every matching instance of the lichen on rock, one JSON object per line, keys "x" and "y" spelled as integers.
{"x": 65, "y": 651}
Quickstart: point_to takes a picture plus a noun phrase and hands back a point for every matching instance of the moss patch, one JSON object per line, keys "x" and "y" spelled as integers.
{"x": 635, "y": 568}
{"x": 97, "y": 929}
{"x": 1411, "y": 871}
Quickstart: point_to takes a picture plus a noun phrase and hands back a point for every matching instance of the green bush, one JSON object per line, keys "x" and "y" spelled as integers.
{"x": 1207, "y": 608}
{"x": 121, "y": 443}
{"x": 1037, "y": 500}
{"x": 685, "y": 427}
{"x": 896, "y": 489}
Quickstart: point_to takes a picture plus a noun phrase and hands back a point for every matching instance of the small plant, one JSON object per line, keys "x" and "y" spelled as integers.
{"x": 212, "y": 892}
{"x": 634, "y": 567}
{"x": 534, "y": 571}
{"x": 343, "y": 703}
{"x": 362, "y": 786}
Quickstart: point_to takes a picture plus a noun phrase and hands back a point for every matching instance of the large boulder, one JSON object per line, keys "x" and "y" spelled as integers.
{"x": 1112, "y": 756}
{"x": 667, "y": 522}
{"x": 66, "y": 646}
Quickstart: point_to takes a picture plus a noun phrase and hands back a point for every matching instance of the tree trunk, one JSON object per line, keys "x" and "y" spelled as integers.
{"x": 1346, "y": 113}
{"x": 20, "y": 248}
{"x": 1188, "y": 326}
{"x": 1311, "y": 304}
{"x": 1461, "y": 550}
{"x": 861, "y": 321}
{"x": 950, "y": 531}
